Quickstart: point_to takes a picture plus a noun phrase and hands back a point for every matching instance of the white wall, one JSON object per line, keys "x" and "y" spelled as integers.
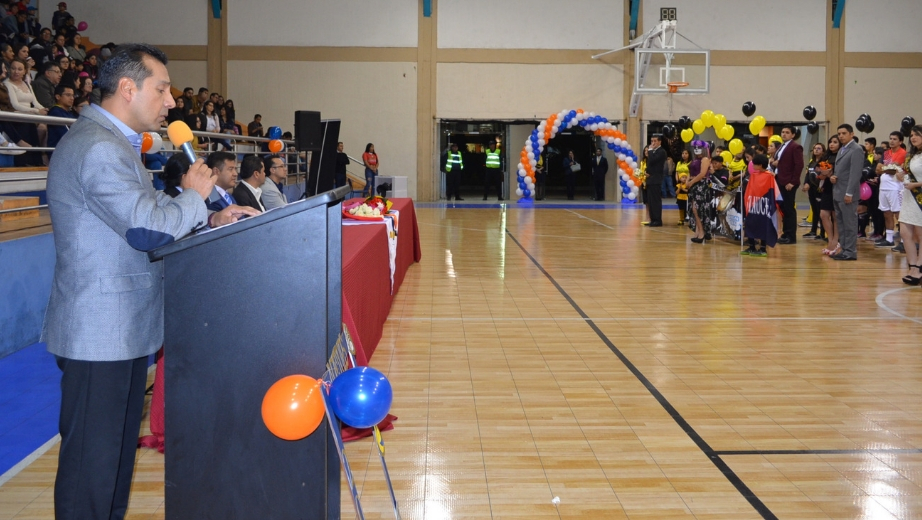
{"x": 330, "y": 23}
{"x": 530, "y": 24}
{"x": 161, "y": 22}
{"x": 887, "y": 95}
{"x": 746, "y": 25}
{"x": 516, "y": 91}
{"x": 733, "y": 86}
{"x": 883, "y": 26}
{"x": 188, "y": 74}
{"x": 382, "y": 111}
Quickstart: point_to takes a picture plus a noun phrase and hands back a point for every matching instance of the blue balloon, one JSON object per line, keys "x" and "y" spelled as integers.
{"x": 625, "y": 189}
{"x": 522, "y": 184}
{"x": 572, "y": 113}
{"x": 361, "y": 397}
{"x": 275, "y": 132}
{"x": 526, "y": 193}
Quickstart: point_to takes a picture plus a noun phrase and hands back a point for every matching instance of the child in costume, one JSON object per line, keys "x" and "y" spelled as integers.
{"x": 761, "y": 208}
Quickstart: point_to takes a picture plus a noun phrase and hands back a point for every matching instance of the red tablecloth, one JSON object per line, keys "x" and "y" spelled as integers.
{"x": 366, "y": 298}
{"x": 366, "y": 275}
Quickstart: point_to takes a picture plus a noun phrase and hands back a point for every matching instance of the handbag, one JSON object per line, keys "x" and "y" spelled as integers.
{"x": 575, "y": 167}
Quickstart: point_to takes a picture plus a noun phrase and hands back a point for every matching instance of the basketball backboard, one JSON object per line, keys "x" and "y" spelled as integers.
{"x": 655, "y": 69}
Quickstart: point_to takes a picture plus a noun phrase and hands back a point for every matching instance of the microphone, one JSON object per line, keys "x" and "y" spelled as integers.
{"x": 181, "y": 136}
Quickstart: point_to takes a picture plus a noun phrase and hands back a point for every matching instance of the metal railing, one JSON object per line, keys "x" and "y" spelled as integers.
{"x": 250, "y": 144}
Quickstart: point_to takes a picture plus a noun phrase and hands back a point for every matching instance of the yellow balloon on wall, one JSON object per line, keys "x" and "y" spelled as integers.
{"x": 687, "y": 135}
{"x": 698, "y": 126}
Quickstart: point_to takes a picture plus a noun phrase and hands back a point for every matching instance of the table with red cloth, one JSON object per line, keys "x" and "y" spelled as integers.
{"x": 366, "y": 294}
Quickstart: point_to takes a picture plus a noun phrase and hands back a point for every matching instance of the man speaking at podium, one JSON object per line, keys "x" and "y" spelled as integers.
{"x": 105, "y": 316}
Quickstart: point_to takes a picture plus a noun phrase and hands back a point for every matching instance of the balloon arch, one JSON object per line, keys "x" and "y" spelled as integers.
{"x": 548, "y": 129}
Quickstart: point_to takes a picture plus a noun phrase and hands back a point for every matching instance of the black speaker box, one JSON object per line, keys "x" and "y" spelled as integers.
{"x": 308, "y": 134}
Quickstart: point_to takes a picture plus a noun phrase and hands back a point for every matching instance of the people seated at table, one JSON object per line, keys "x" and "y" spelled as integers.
{"x": 273, "y": 188}
{"x": 224, "y": 167}
{"x": 252, "y": 176}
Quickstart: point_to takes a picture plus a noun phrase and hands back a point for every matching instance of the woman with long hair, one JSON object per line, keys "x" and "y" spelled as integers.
{"x": 232, "y": 115}
{"x": 698, "y": 193}
{"x": 75, "y": 48}
{"x": 911, "y": 212}
{"x": 176, "y": 113}
{"x": 370, "y": 158}
{"x": 824, "y": 187}
{"x": 213, "y": 124}
{"x": 816, "y": 155}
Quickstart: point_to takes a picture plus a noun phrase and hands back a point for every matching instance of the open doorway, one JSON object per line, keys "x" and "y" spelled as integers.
{"x": 473, "y": 139}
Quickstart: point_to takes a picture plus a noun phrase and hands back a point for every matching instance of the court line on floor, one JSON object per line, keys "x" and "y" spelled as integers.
{"x": 882, "y": 305}
{"x": 32, "y": 457}
{"x": 857, "y": 451}
{"x": 590, "y": 219}
{"x": 660, "y": 318}
{"x": 699, "y": 441}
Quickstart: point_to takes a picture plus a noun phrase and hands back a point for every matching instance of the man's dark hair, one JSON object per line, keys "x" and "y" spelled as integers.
{"x": 790, "y": 127}
{"x": 60, "y": 88}
{"x": 880, "y": 150}
{"x": 176, "y": 166}
{"x": 847, "y": 127}
{"x": 287, "y": 135}
{"x": 267, "y": 161}
{"x": 658, "y": 137}
{"x": 257, "y": 116}
{"x": 758, "y": 148}
{"x": 187, "y": 89}
{"x": 218, "y": 158}
{"x": 203, "y": 89}
{"x": 47, "y": 66}
{"x": 251, "y": 164}
{"x": 873, "y": 140}
{"x": 127, "y": 62}
{"x": 718, "y": 159}
{"x": 897, "y": 134}
{"x": 760, "y": 160}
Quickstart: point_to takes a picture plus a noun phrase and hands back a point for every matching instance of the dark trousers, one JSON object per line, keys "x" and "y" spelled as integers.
{"x": 817, "y": 223}
{"x": 655, "y": 202}
{"x": 877, "y": 216}
{"x": 571, "y": 185}
{"x": 452, "y": 184}
{"x": 788, "y": 213}
{"x": 493, "y": 179}
{"x": 598, "y": 180}
{"x": 101, "y": 407}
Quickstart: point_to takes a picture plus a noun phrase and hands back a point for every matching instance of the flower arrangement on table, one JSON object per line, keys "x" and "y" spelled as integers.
{"x": 372, "y": 208}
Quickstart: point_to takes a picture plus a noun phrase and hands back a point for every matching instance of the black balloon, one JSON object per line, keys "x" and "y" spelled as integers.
{"x": 862, "y": 122}
{"x": 749, "y": 108}
{"x": 797, "y": 133}
{"x": 869, "y": 127}
{"x": 809, "y": 112}
{"x": 908, "y": 122}
{"x": 813, "y": 127}
{"x": 685, "y": 122}
{"x": 668, "y": 131}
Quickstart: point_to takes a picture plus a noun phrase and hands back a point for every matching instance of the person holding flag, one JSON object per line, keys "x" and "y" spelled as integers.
{"x": 761, "y": 208}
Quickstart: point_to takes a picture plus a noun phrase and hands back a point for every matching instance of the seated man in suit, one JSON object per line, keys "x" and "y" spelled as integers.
{"x": 224, "y": 167}
{"x": 252, "y": 176}
{"x": 274, "y": 187}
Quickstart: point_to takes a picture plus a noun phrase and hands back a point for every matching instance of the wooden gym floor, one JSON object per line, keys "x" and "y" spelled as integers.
{"x": 572, "y": 353}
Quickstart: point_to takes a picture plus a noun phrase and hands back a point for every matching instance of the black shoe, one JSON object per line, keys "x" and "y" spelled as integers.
{"x": 707, "y": 236}
{"x": 458, "y": 198}
{"x": 501, "y": 198}
{"x": 842, "y": 256}
{"x": 656, "y": 224}
{"x": 484, "y": 198}
{"x": 697, "y": 240}
{"x": 883, "y": 242}
{"x": 786, "y": 240}
{"x": 898, "y": 249}
{"x": 809, "y": 235}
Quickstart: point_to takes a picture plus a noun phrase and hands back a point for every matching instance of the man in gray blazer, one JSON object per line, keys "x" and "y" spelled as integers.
{"x": 847, "y": 180}
{"x": 105, "y": 315}
{"x": 273, "y": 187}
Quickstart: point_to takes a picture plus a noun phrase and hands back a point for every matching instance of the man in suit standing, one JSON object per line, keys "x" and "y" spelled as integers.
{"x": 599, "y": 169}
{"x": 846, "y": 182}
{"x": 252, "y": 175}
{"x": 789, "y": 165}
{"x": 224, "y": 169}
{"x": 656, "y": 166}
{"x": 273, "y": 187}
{"x": 105, "y": 315}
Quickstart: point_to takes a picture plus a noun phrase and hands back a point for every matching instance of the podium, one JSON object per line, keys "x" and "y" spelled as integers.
{"x": 244, "y": 306}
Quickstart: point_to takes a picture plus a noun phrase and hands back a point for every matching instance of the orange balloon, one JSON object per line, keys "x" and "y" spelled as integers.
{"x": 147, "y": 142}
{"x": 293, "y": 407}
{"x": 275, "y": 146}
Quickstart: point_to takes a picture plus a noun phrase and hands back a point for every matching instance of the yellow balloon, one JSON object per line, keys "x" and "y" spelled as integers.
{"x": 698, "y": 126}
{"x": 735, "y": 146}
{"x": 687, "y": 135}
{"x": 720, "y": 121}
{"x": 727, "y": 132}
{"x": 756, "y": 125}
{"x": 707, "y": 117}
{"x": 727, "y": 156}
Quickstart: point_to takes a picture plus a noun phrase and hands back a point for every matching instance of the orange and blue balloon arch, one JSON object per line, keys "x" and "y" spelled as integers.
{"x": 598, "y": 125}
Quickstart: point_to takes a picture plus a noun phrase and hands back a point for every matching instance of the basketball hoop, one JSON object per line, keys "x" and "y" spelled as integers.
{"x": 674, "y": 87}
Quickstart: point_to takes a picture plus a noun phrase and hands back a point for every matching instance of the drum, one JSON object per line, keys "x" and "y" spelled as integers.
{"x": 726, "y": 200}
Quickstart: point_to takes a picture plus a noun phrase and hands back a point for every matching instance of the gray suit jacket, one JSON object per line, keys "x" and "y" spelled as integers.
{"x": 849, "y": 162}
{"x": 272, "y": 197}
{"x": 107, "y": 297}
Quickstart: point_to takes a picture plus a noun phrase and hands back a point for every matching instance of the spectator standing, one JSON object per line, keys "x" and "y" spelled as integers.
{"x": 846, "y": 181}
{"x": 493, "y": 173}
{"x": 599, "y": 170}
{"x": 273, "y": 188}
{"x": 43, "y": 85}
{"x": 370, "y": 158}
{"x": 63, "y": 107}
{"x": 891, "y": 189}
{"x": 788, "y": 164}
{"x": 656, "y": 170}
{"x": 59, "y": 16}
{"x": 252, "y": 175}
{"x": 452, "y": 165}
{"x": 809, "y": 188}
{"x": 255, "y": 128}
{"x": 342, "y": 160}
{"x": 698, "y": 194}
{"x": 570, "y": 167}
{"x": 911, "y": 214}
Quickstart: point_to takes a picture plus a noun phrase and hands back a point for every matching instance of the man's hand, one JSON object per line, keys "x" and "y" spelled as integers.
{"x": 199, "y": 178}
{"x": 806, "y": 188}
{"x": 789, "y": 186}
{"x": 833, "y": 179}
{"x": 848, "y": 199}
{"x": 231, "y": 214}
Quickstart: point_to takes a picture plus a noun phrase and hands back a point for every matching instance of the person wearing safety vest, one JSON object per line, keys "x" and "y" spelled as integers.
{"x": 453, "y": 165}
{"x": 493, "y": 175}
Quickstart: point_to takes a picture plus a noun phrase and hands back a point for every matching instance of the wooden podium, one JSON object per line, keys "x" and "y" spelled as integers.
{"x": 244, "y": 306}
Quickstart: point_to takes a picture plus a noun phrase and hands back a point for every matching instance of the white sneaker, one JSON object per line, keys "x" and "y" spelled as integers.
{"x": 11, "y": 149}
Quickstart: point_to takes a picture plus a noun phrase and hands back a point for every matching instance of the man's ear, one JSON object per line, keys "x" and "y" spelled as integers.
{"x": 126, "y": 88}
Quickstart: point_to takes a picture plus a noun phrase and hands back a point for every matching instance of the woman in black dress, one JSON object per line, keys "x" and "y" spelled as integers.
{"x": 827, "y": 206}
{"x": 699, "y": 198}
{"x": 816, "y": 155}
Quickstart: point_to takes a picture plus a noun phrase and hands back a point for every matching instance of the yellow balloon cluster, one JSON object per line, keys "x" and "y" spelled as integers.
{"x": 756, "y": 125}
{"x": 687, "y": 135}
